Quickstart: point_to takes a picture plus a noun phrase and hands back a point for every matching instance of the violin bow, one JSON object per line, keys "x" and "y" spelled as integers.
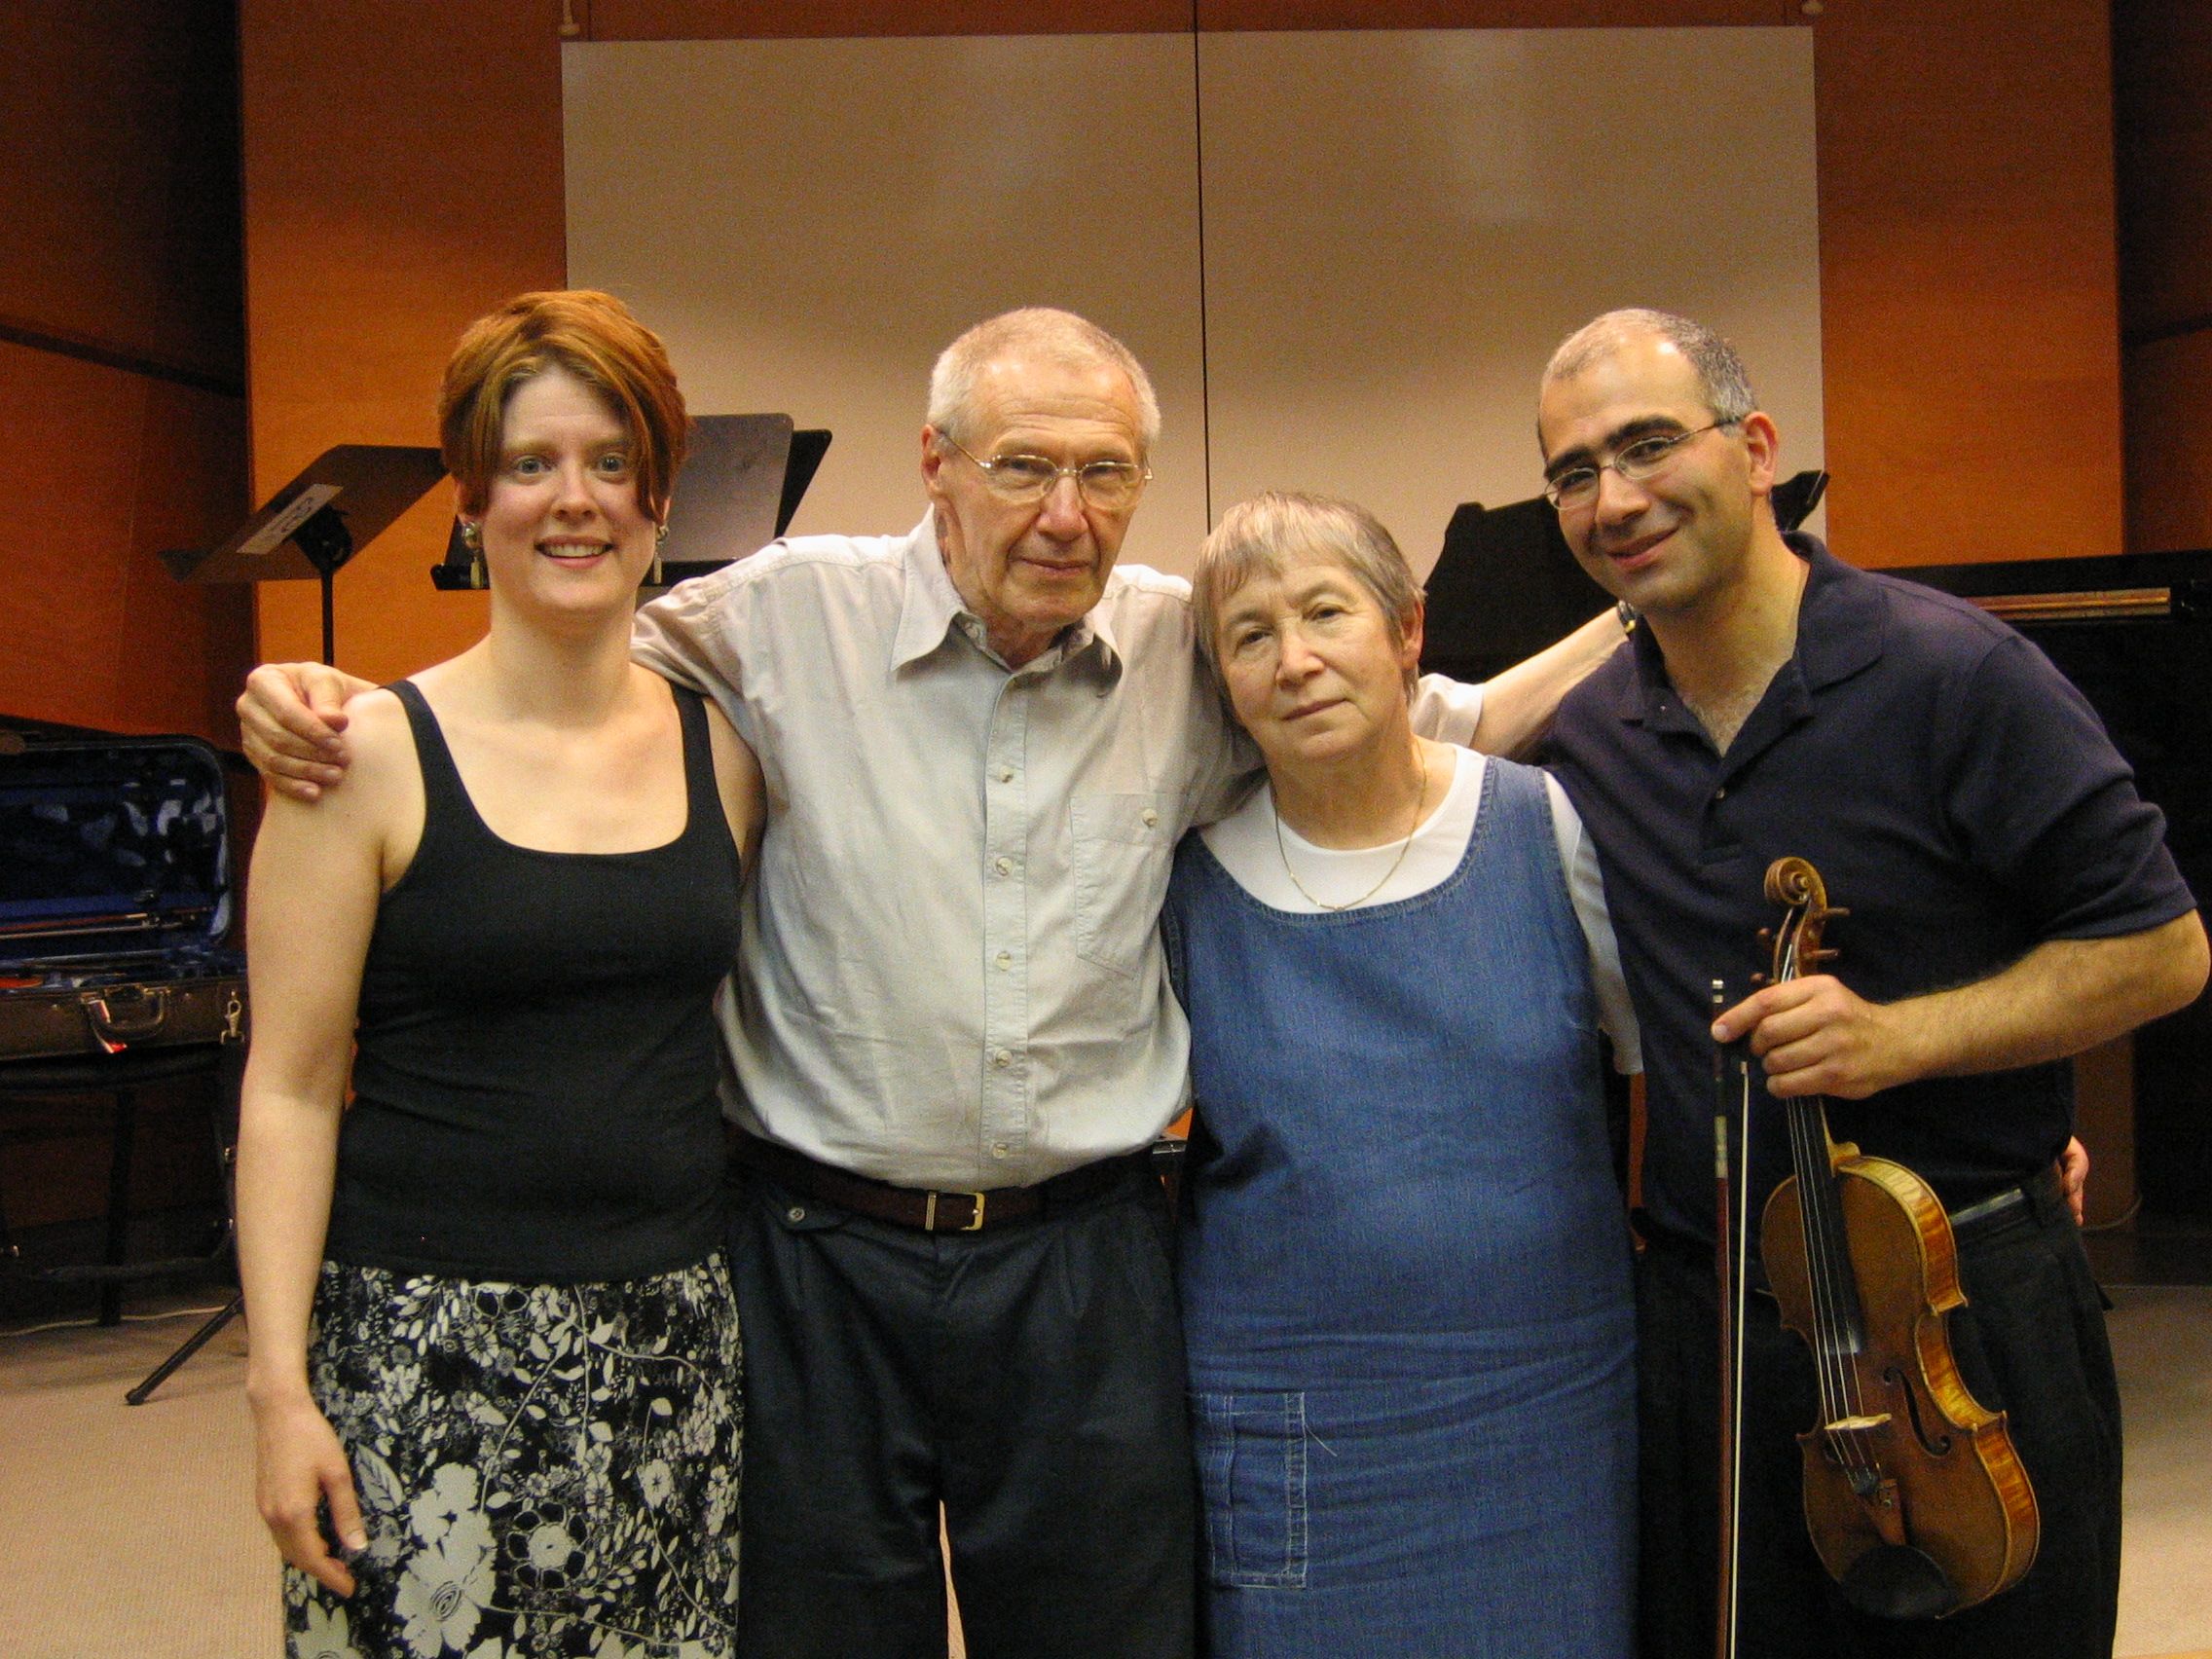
{"x": 1731, "y": 1255}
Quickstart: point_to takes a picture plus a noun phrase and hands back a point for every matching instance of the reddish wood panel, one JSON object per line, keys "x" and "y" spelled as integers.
{"x": 2162, "y": 69}
{"x": 834, "y": 20}
{"x": 1969, "y": 301}
{"x": 119, "y": 179}
{"x": 2169, "y": 444}
{"x": 377, "y": 226}
{"x": 767, "y": 19}
{"x": 99, "y": 633}
{"x": 2162, "y": 51}
{"x": 185, "y": 646}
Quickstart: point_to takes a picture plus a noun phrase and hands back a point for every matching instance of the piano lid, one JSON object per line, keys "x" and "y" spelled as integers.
{"x": 2119, "y": 588}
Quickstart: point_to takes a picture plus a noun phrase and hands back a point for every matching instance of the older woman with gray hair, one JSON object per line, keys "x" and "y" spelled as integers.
{"x": 1405, "y": 1277}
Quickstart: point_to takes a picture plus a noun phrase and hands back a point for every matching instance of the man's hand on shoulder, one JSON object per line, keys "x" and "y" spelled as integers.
{"x": 291, "y": 715}
{"x": 1815, "y": 1036}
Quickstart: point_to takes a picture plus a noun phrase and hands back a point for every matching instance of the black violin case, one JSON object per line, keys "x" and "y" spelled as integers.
{"x": 116, "y": 898}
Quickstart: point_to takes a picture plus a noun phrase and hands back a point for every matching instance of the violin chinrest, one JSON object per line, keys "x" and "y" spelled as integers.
{"x": 1895, "y": 1581}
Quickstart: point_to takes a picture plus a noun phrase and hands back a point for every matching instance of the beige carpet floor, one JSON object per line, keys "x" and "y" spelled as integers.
{"x": 128, "y": 1532}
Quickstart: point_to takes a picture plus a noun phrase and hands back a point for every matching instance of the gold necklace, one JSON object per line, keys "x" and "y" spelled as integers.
{"x": 1404, "y": 847}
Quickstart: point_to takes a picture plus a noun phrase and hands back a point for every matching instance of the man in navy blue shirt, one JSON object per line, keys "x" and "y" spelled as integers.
{"x": 2011, "y": 902}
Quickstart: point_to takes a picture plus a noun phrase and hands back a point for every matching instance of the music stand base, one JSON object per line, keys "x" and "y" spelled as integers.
{"x": 191, "y": 1346}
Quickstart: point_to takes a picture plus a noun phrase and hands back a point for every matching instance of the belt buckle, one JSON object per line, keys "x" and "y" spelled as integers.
{"x": 929, "y": 1212}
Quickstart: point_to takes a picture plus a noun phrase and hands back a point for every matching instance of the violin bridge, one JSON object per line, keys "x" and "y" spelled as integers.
{"x": 1859, "y": 1424}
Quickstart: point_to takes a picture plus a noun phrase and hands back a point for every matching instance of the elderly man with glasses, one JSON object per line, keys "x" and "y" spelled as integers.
{"x": 951, "y": 1038}
{"x": 2010, "y": 902}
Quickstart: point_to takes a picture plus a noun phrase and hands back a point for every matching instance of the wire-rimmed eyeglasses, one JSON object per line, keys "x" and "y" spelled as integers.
{"x": 1110, "y": 486}
{"x": 1577, "y": 486}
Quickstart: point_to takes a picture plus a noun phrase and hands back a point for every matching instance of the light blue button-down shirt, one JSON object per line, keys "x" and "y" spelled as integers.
{"x": 951, "y": 973}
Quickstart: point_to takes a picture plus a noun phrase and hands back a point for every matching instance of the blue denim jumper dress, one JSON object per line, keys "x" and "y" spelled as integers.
{"x": 1406, "y": 1275}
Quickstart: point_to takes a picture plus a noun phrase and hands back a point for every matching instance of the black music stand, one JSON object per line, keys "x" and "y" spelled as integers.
{"x": 744, "y": 480}
{"x": 318, "y": 521}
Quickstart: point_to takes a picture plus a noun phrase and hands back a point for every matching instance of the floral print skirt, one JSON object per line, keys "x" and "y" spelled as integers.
{"x": 544, "y": 1470}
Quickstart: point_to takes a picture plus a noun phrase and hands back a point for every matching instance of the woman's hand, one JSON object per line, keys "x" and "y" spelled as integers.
{"x": 298, "y": 1466}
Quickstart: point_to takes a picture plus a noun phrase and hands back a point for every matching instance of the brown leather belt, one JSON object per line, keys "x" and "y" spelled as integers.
{"x": 930, "y": 1212}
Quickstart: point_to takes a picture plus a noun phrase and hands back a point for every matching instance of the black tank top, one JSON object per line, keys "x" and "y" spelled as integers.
{"x": 534, "y": 1091}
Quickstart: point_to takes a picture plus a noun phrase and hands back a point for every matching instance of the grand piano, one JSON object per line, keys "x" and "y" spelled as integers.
{"x": 2133, "y": 631}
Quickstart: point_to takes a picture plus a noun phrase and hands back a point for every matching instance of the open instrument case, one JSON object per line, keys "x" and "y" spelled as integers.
{"x": 116, "y": 896}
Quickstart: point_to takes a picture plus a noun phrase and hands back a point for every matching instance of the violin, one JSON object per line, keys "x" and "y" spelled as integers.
{"x": 1916, "y": 1500}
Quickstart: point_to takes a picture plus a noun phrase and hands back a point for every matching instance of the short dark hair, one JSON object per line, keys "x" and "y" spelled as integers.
{"x": 1720, "y": 373}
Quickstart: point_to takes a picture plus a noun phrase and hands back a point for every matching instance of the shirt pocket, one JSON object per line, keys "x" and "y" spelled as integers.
{"x": 1251, "y": 1450}
{"x": 1122, "y": 848}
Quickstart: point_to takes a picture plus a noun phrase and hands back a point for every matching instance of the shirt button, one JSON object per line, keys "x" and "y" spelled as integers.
{"x": 1721, "y": 794}
{"x": 1005, "y": 866}
{"x": 1151, "y": 817}
{"x": 1005, "y": 960}
{"x": 1001, "y": 1058}
{"x": 998, "y": 1149}
{"x": 1006, "y": 774}
{"x": 794, "y": 1214}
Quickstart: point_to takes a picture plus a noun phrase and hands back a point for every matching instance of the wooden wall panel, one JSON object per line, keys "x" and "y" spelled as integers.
{"x": 839, "y": 19}
{"x": 99, "y": 633}
{"x": 185, "y": 646}
{"x": 2162, "y": 51}
{"x": 55, "y": 667}
{"x": 118, "y": 188}
{"x": 2169, "y": 444}
{"x": 377, "y": 226}
{"x": 1968, "y": 301}
{"x": 119, "y": 179}
{"x": 1968, "y": 308}
{"x": 2163, "y": 68}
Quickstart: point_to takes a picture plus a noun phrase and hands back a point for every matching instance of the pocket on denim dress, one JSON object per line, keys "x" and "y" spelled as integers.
{"x": 1251, "y": 1450}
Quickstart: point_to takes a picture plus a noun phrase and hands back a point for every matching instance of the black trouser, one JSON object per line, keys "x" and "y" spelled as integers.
{"x": 1028, "y": 1376}
{"x": 2031, "y": 1342}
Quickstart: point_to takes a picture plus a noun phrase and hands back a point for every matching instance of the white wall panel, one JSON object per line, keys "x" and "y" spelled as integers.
{"x": 1399, "y": 225}
{"x": 808, "y": 222}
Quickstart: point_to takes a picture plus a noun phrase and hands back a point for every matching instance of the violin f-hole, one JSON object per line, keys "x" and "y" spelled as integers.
{"x": 1937, "y": 1446}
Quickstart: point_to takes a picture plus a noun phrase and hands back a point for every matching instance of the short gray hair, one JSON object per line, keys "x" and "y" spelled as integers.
{"x": 1722, "y": 376}
{"x": 1034, "y": 331}
{"x": 1268, "y": 532}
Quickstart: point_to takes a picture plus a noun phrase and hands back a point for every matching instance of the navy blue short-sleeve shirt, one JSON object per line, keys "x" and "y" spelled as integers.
{"x": 1959, "y": 797}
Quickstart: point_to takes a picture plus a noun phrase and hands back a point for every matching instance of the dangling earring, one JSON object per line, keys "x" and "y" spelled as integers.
{"x": 473, "y": 538}
{"x": 660, "y": 535}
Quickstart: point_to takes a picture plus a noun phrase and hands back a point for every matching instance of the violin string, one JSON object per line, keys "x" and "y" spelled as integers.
{"x": 1808, "y": 1200}
{"x": 1837, "y": 1390}
{"x": 1836, "y": 1368}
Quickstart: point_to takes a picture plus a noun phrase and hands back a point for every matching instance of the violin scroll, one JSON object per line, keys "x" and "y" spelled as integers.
{"x": 1795, "y": 884}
